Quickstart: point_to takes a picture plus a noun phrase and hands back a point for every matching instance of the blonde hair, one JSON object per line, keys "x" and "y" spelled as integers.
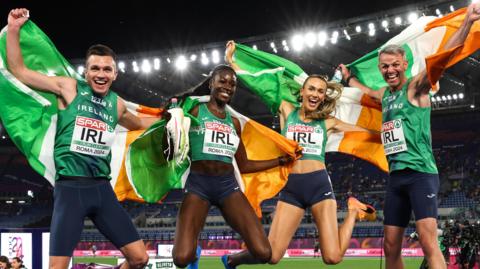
{"x": 334, "y": 91}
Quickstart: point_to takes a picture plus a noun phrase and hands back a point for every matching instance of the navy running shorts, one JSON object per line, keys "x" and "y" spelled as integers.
{"x": 213, "y": 189}
{"x": 305, "y": 190}
{"x": 75, "y": 199}
{"x": 409, "y": 190}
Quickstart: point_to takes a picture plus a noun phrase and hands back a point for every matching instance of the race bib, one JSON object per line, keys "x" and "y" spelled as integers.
{"x": 310, "y": 138}
{"x": 220, "y": 139}
{"x": 92, "y": 137}
{"x": 393, "y": 139}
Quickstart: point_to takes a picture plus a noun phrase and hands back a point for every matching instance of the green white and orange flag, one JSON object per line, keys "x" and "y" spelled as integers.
{"x": 30, "y": 116}
{"x": 139, "y": 170}
{"x": 275, "y": 79}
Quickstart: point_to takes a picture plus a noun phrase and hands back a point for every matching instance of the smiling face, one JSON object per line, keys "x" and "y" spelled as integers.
{"x": 100, "y": 73}
{"x": 313, "y": 93}
{"x": 223, "y": 86}
{"x": 15, "y": 264}
{"x": 393, "y": 67}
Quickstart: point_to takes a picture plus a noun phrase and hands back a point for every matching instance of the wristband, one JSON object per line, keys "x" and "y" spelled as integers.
{"x": 281, "y": 161}
{"x": 347, "y": 81}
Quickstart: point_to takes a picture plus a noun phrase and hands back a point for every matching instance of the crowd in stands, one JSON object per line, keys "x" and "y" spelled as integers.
{"x": 458, "y": 164}
{"x": 13, "y": 263}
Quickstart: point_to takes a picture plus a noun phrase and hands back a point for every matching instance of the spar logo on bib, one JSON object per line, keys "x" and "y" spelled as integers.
{"x": 309, "y": 137}
{"x": 92, "y": 137}
{"x": 393, "y": 138}
{"x": 220, "y": 139}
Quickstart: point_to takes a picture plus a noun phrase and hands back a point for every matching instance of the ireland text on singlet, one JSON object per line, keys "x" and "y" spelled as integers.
{"x": 85, "y": 133}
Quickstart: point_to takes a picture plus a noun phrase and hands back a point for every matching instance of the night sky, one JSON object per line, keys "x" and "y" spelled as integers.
{"x": 133, "y": 26}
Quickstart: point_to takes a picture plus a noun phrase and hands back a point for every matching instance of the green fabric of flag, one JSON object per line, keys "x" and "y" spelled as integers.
{"x": 26, "y": 114}
{"x": 270, "y": 77}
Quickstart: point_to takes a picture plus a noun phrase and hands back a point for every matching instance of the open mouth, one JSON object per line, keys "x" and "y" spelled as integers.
{"x": 224, "y": 94}
{"x": 100, "y": 82}
{"x": 391, "y": 78}
{"x": 313, "y": 102}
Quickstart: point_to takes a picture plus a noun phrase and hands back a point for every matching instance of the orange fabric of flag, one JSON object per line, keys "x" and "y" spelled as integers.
{"x": 262, "y": 143}
{"x": 443, "y": 59}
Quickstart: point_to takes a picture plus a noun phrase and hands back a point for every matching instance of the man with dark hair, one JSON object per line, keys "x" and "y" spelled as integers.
{"x": 414, "y": 182}
{"x": 17, "y": 263}
{"x": 88, "y": 114}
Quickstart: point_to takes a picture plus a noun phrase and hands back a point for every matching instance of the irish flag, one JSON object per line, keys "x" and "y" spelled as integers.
{"x": 275, "y": 79}
{"x": 139, "y": 171}
{"x": 30, "y": 116}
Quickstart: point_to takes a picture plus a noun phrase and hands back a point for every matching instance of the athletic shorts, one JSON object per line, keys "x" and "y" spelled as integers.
{"x": 213, "y": 189}
{"x": 409, "y": 190}
{"x": 75, "y": 199}
{"x": 305, "y": 190}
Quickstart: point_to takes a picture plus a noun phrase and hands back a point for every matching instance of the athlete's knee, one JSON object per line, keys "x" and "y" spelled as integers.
{"x": 183, "y": 258}
{"x": 392, "y": 249}
{"x": 276, "y": 257}
{"x": 332, "y": 258}
{"x": 138, "y": 262}
{"x": 263, "y": 254}
{"x": 429, "y": 246}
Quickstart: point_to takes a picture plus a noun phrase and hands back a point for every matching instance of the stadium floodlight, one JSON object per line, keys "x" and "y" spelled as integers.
{"x": 385, "y": 24}
{"x": 322, "y": 38}
{"x": 433, "y": 99}
{"x": 81, "y": 69}
{"x": 460, "y": 95}
{"x": 204, "y": 59}
{"x": 272, "y": 44}
{"x": 438, "y": 12}
{"x": 472, "y": 106}
{"x": 347, "y": 36}
{"x": 297, "y": 42}
{"x": 181, "y": 63}
{"x": 215, "y": 56}
{"x": 156, "y": 64}
{"x": 455, "y": 96}
{"x": 449, "y": 97}
{"x": 444, "y": 98}
{"x": 358, "y": 28}
{"x": 334, "y": 38}
{"x": 284, "y": 43}
{"x": 121, "y": 66}
{"x": 413, "y": 16}
{"x": 146, "y": 67}
{"x": 4, "y": 137}
{"x": 310, "y": 39}
{"x": 452, "y": 9}
{"x": 168, "y": 60}
{"x": 371, "y": 29}
{"x": 286, "y": 48}
{"x": 136, "y": 69}
{"x": 255, "y": 47}
{"x": 439, "y": 99}
{"x": 398, "y": 20}
{"x": 275, "y": 50}
{"x": 193, "y": 57}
